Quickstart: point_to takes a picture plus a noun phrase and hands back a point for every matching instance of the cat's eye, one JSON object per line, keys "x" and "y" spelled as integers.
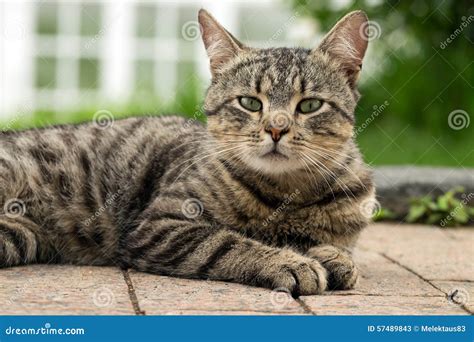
{"x": 250, "y": 103}
{"x": 309, "y": 106}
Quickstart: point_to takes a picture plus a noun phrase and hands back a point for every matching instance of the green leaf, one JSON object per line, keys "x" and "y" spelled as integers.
{"x": 435, "y": 218}
{"x": 433, "y": 206}
{"x": 384, "y": 214}
{"x": 460, "y": 215}
{"x": 426, "y": 200}
{"x": 415, "y": 213}
{"x": 454, "y": 203}
{"x": 443, "y": 203}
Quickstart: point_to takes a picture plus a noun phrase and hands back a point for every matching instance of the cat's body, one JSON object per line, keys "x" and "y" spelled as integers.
{"x": 171, "y": 196}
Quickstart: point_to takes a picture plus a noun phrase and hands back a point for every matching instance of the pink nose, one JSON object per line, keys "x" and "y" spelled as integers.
{"x": 276, "y": 133}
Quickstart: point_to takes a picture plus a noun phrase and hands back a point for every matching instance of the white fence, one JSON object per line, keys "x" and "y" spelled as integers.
{"x": 61, "y": 55}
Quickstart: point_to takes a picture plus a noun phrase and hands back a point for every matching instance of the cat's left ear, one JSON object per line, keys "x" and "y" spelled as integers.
{"x": 347, "y": 42}
{"x": 221, "y": 46}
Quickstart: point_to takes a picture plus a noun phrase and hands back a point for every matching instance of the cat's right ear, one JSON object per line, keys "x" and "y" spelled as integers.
{"x": 221, "y": 46}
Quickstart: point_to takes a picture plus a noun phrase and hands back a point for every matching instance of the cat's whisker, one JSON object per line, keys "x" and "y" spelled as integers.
{"x": 320, "y": 171}
{"x": 328, "y": 154}
{"x": 332, "y": 151}
{"x": 309, "y": 172}
{"x": 346, "y": 168}
{"x": 341, "y": 184}
{"x": 206, "y": 156}
{"x": 211, "y": 145}
{"x": 318, "y": 156}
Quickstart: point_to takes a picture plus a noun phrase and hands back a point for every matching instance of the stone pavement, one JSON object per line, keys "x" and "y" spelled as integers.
{"x": 405, "y": 270}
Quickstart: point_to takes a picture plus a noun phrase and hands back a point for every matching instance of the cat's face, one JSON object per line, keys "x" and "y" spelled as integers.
{"x": 279, "y": 110}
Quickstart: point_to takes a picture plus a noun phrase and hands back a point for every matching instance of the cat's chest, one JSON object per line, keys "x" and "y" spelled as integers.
{"x": 281, "y": 224}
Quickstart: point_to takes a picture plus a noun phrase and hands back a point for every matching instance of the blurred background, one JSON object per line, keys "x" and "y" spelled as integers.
{"x": 67, "y": 61}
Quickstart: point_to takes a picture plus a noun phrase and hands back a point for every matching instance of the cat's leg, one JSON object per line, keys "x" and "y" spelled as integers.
{"x": 342, "y": 271}
{"x": 19, "y": 243}
{"x": 198, "y": 250}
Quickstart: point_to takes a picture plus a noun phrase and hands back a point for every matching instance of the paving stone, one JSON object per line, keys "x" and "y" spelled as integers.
{"x": 160, "y": 295}
{"x": 63, "y": 290}
{"x": 444, "y": 256}
{"x": 380, "y": 276}
{"x": 459, "y": 292}
{"x": 381, "y": 305}
{"x": 432, "y": 252}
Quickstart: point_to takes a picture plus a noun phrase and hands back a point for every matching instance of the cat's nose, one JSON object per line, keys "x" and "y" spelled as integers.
{"x": 276, "y": 133}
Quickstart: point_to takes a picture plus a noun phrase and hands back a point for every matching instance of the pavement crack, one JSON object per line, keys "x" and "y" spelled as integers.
{"x": 131, "y": 294}
{"x": 453, "y": 280}
{"x": 383, "y": 295}
{"x": 462, "y": 306}
{"x": 305, "y": 307}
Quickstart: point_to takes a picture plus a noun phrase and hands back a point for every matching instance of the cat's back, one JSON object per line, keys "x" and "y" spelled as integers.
{"x": 101, "y": 139}
{"x": 169, "y": 125}
{"x": 56, "y": 164}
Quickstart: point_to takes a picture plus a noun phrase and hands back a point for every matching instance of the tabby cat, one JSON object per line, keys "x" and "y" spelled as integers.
{"x": 271, "y": 193}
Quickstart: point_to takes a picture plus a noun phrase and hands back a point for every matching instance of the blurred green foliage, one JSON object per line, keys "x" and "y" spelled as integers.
{"x": 424, "y": 68}
{"x": 383, "y": 214}
{"x": 189, "y": 105}
{"x": 445, "y": 210}
{"x": 415, "y": 79}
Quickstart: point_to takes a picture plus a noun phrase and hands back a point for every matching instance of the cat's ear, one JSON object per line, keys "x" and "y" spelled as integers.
{"x": 347, "y": 42}
{"x": 221, "y": 46}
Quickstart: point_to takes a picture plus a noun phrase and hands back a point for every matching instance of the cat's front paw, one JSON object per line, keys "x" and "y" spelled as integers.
{"x": 342, "y": 272}
{"x": 296, "y": 274}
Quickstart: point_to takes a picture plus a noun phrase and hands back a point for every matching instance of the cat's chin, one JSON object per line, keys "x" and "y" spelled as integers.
{"x": 273, "y": 164}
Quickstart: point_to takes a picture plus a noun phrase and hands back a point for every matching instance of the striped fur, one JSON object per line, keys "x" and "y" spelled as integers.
{"x": 169, "y": 196}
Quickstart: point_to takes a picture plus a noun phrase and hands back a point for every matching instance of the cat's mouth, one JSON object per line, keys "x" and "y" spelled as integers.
{"x": 272, "y": 159}
{"x": 275, "y": 153}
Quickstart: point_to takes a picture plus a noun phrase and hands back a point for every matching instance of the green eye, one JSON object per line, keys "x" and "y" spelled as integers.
{"x": 309, "y": 106}
{"x": 250, "y": 103}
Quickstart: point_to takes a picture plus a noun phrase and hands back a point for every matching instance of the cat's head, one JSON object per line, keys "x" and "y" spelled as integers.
{"x": 282, "y": 109}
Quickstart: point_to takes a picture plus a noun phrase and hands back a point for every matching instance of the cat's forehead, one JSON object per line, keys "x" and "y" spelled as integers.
{"x": 284, "y": 54}
{"x": 278, "y": 60}
{"x": 280, "y": 72}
